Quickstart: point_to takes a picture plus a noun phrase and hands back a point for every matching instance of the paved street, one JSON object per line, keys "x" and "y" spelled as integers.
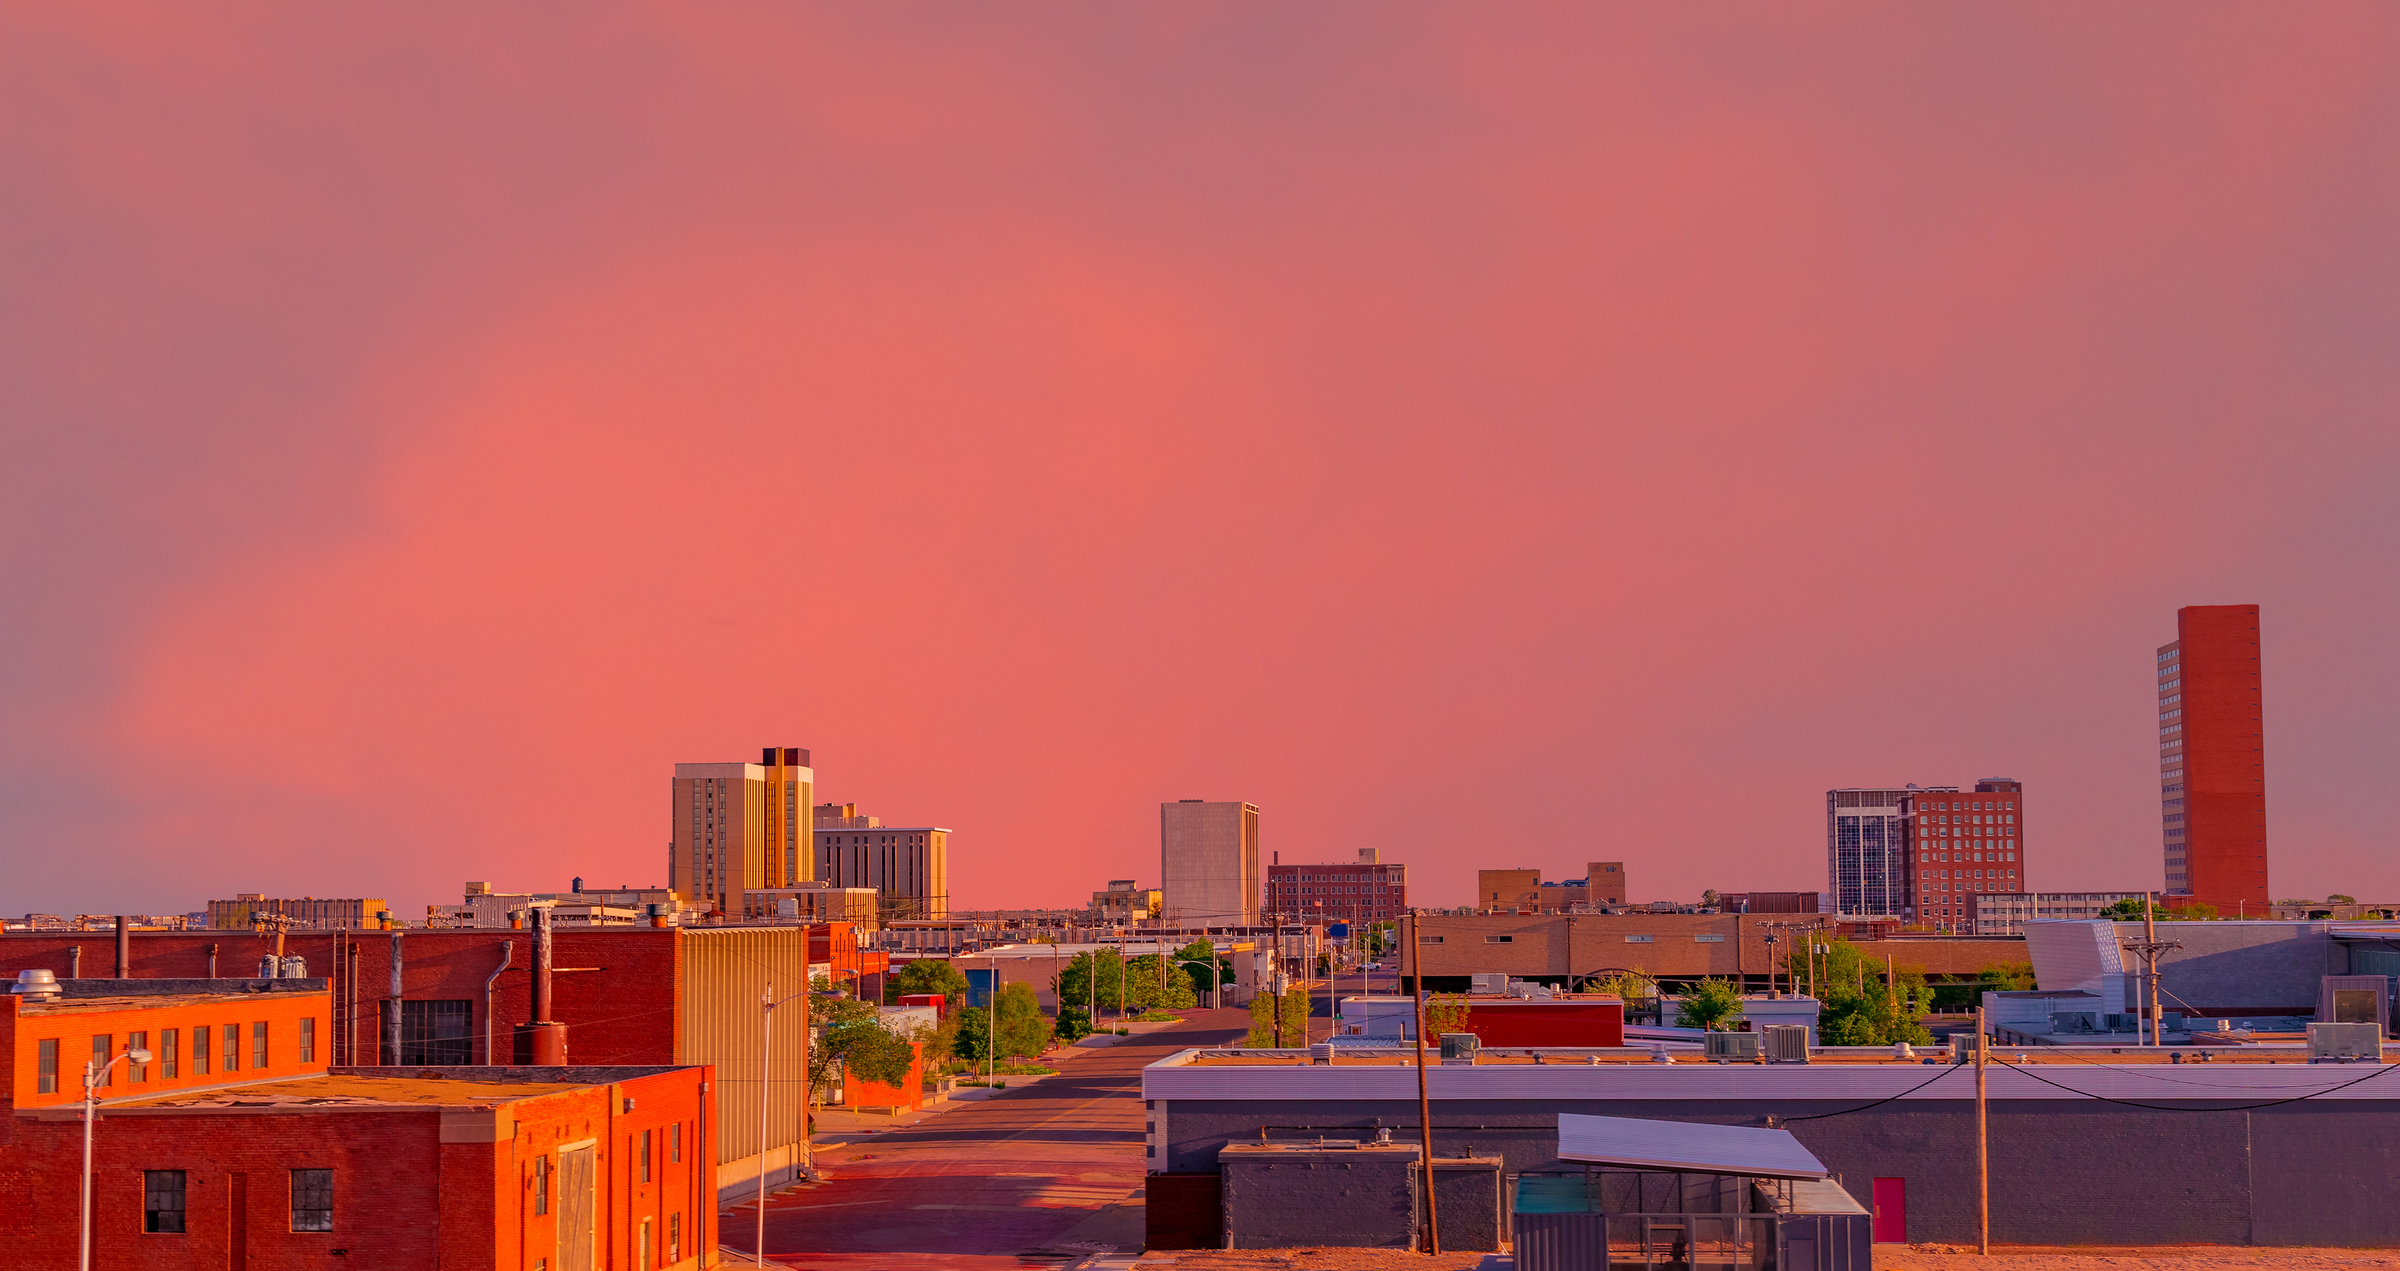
{"x": 1032, "y": 1176}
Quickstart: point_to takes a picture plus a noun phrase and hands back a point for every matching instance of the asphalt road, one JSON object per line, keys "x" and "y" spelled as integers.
{"x": 1032, "y": 1176}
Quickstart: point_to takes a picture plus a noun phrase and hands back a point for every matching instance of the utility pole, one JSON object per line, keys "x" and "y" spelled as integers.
{"x": 1983, "y": 1146}
{"x": 2148, "y": 949}
{"x": 1416, "y": 954}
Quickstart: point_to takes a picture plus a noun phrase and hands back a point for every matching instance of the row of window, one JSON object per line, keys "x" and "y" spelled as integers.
{"x": 168, "y": 1058}
{"x": 165, "y": 1193}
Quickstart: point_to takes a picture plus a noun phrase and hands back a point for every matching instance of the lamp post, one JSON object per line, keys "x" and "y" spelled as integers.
{"x": 93, "y": 1074}
{"x": 766, "y": 1086}
{"x": 1216, "y": 980}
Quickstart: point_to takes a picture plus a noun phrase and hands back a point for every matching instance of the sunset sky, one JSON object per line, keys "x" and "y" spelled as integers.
{"x": 1502, "y": 436}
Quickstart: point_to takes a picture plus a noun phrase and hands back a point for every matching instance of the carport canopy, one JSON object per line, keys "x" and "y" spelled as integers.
{"x": 1686, "y": 1146}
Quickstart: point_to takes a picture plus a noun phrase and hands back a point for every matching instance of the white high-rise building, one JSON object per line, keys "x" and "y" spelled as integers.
{"x": 1209, "y": 863}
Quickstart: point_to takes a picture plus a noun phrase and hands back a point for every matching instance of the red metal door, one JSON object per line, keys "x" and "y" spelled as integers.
{"x": 1891, "y": 1211}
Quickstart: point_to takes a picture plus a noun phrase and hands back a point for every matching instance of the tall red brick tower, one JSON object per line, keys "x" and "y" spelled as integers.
{"x": 2212, "y": 760}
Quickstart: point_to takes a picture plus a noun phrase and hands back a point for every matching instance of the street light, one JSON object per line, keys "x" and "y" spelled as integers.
{"x": 93, "y": 1074}
{"x": 1216, "y": 980}
{"x": 766, "y": 1053}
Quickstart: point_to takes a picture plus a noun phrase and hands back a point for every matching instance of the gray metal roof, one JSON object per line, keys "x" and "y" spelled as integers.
{"x": 1685, "y": 1145}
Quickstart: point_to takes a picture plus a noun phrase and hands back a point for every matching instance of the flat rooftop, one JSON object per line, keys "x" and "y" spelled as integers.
{"x": 343, "y": 1090}
{"x": 145, "y": 1002}
{"x": 1404, "y": 1056}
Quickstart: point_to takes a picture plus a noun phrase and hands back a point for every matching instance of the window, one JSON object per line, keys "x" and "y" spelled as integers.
{"x": 162, "y": 1201}
{"x": 200, "y": 1051}
{"x": 675, "y": 1142}
{"x": 166, "y": 1054}
{"x": 642, "y": 1156}
{"x": 642, "y": 1242}
{"x": 1639, "y": 939}
{"x": 674, "y": 1238}
{"x": 133, "y": 1070}
{"x": 258, "y": 1044}
{"x": 308, "y": 1040}
{"x": 312, "y": 1200}
{"x": 541, "y": 1184}
{"x": 100, "y": 1054}
{"x": 1429, "y": 939}
{"x": 233, "y": 1048}
{"x": 1499, "y": 939}
{"x": 435, "y": 1032}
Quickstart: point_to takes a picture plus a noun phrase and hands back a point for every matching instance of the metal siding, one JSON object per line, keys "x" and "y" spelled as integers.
{"x": 724, "y": 975}
{"x": 1561, "y": 1242}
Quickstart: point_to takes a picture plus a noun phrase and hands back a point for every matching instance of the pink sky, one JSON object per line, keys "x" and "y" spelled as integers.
{"x": 1502, "y": 437}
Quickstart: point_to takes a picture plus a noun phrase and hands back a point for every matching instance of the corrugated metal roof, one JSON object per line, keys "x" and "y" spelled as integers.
{"x": 1686, "y": 1145}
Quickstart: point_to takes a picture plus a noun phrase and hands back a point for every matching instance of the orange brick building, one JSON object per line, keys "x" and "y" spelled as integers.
{"x": 2212, "y": 760}
{"x": 264, "y": 1157}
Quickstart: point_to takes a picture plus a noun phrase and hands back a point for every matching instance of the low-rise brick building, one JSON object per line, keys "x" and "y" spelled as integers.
{"x": 238, "y": 1145}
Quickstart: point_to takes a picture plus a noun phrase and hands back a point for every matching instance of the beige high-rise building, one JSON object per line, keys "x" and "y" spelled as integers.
{"x": 738, "y": 828}
{"x": 1208, "y": 863}
{"x": 907, "y": 865}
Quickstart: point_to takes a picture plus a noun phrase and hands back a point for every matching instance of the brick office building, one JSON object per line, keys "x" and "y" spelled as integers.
{"x": 2212, "y": 773}
{"x": 237, "y": 1145}
{"x": 1368, "y": 891}
{"x": 1960, "y": 844}
{"x": 643, "y": 996}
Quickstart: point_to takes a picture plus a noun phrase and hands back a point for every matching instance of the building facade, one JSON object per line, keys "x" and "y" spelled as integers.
{"x": 908, "y": 866}
{"x": 2212, "y": 774}
{"x": 306, "y": 913}
{"x": 1124, "y": 902}
{"x": 1508, "y": 890}
{"x": 1209, "y": 864}
{"x": 738, "y": 828}
{"x": 813, "y": 903}
{"x": 1363, "y": 892}
{"x": 238, "y": 1145}
{"x": 1866, "y": 851}
{"x": 1962, "y": 844}
{"x": 2006, "y": 913}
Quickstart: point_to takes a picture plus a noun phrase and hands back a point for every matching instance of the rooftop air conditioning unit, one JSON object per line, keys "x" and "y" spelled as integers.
{"x": 1785, "y": 1043}
{"x": 1490, "y": 982}
{"x": 2345, "y": 1041}
{"x": 1460, "y": 1048}
{"x": 1735, "y": 1045}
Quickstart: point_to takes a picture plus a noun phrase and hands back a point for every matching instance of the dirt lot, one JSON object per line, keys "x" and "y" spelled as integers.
{"x": 1887, "y": 1258}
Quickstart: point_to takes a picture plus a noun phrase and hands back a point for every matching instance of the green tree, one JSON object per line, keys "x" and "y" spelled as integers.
{"x": 1020, "y": 1026}
{"x": 1445, "y": 1013}
{"x": 1710, "y": 1004}
{"x": 1142, "y": 988}
{"x": 1095, "y": 979}
{"x": 971, "y": 1041}
{"x": 2339, "y": 899}
{"x": 852, "y": 1036}
{"x": 929, "y": 975}
{"x": 1295, "y": 1018}
{"x": 2197, "y": 911}
{"x": 1073, "y": 1024}
{"x": 1630, "y": 985}
{"x": 2006, "y": 977}
{"x": 2126, "y": 910}
{"x": 1204, "y": 975}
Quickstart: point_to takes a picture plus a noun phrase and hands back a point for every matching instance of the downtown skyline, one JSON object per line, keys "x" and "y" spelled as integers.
{"x": 1624, "y": 428}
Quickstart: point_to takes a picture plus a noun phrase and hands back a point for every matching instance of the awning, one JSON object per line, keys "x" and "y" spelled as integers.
{"x": 1689, "y": 1146}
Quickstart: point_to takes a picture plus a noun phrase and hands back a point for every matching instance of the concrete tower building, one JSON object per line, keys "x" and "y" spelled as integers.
{"x": 907, "y": 865}
{"x": 738, "y": 828}
{"x": 2212, "y": 759}
{"x": 1209, "y": 864}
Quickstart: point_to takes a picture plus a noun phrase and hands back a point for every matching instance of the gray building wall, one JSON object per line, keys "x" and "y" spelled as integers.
{"x": 2063, "y": 1172}
{"x": 2227, "y": 968}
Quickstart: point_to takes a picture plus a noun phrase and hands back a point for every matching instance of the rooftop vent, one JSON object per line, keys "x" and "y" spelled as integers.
{"x": 36, "y": 984}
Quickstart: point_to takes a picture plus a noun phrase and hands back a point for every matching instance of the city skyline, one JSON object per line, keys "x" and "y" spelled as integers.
{"x": 1528, "y": 413}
